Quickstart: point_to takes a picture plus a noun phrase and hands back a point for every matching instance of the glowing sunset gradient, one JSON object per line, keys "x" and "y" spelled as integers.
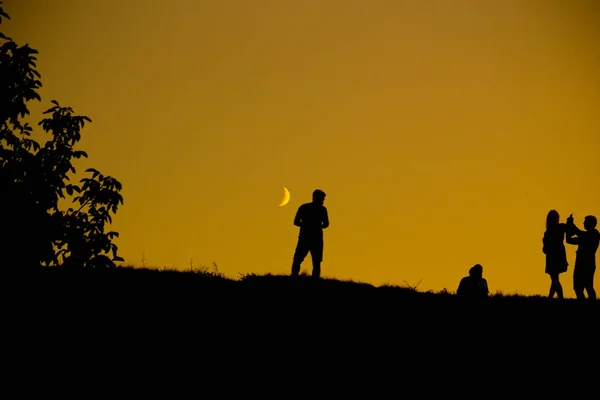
{"x": 441, "y": 131}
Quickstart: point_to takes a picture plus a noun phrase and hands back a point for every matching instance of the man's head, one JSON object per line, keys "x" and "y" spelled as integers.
{"x": 476, "y": 271}
{"x": 318, "y": 196}
{"x": 590, "y": 222}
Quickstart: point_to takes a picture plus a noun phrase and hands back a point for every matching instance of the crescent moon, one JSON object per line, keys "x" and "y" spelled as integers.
{"x": 286, "y": 197}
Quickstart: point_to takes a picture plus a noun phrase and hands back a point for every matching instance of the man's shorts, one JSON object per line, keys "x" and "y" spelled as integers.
{"x": 312, "y": 245}
{"x": 583, "y": 277}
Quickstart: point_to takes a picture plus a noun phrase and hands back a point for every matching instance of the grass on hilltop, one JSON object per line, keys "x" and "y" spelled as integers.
{"x": 208, "y": 300}
{"x": 211, "y": 277}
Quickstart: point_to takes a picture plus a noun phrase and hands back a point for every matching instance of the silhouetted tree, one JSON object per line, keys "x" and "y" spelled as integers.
{"x": 33, "y": 177}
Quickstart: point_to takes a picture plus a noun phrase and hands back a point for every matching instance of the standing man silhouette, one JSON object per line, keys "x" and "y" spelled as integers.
{"x": 587, "y": 242}
{"x": 312, "y": 218}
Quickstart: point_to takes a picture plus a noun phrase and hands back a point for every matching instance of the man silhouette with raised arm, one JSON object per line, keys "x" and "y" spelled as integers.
{"x": 312, "y": 218}
{"x": 587, "y": 242}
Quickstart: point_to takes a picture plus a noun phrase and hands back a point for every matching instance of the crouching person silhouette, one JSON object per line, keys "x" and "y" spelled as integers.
{"x": 587, "y": 242}
{"x": 312, "y": 218}
{"x": 473, "y": 286}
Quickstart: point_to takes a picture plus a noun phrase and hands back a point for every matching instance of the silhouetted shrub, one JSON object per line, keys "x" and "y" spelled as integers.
{"x": 33, "y": 177}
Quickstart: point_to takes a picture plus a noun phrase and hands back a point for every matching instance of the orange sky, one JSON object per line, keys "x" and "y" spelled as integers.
{"x": 441, "y": 131}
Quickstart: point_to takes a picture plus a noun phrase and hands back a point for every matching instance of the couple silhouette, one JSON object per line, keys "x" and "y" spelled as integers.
{"x": 553, "y": 246}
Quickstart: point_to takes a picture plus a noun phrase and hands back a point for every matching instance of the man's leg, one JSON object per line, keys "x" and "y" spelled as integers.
{"x": 578, "y": 283}
{"x": 589, "y": 284}
{"x": 299, "y": 255}
{"x": 316, "y": 253}
{"x": 316, "y": 272}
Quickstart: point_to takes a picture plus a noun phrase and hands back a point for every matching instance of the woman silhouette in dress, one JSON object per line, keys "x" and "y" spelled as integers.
{"x": 554, "y": 249}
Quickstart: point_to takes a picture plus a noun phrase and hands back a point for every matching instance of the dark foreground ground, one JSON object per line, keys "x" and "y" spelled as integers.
{"x": 269, "y": 325}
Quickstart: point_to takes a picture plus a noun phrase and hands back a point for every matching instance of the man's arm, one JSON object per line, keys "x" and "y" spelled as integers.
{"x": 571, "y": 238}
{"x": 571, "y": 228}
{"x": 298, "y": 217}
{"x": 325, "y": 218}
